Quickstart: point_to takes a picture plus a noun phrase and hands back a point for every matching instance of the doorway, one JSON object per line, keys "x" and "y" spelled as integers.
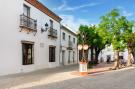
{"x": 63, "y": 57}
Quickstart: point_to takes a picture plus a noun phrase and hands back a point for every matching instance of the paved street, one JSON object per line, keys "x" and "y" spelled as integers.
{"x": 44, "y": 76}
{"x": 62, "y": 78}
{"x": 124, "y": 79}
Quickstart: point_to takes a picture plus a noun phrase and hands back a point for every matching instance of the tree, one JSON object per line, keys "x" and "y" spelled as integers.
{"x": 112, "y": 33}
{"x": 97, "y": 43}
{"x": 133, "y": 47}
{"x": 93, "y": 39}
{"x": 83, "y": 31}
{"x": 128, "y": 36}
{"x": 90, "y": 37}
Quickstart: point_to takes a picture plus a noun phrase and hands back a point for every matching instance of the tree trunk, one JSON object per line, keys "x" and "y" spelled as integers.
{"x": 97, "y": 51}
{"x": 86, "y": 55}
{"x": 129, "y": 57}
{"x": 91, "y": 53}
{"x": 133, "y": 53}
{"x": 117, "y": 61}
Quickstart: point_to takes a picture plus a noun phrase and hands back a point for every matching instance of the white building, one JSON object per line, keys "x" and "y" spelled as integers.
{"x": 25, "y": 44}
{"x": 68, "y": 46}
{"x": 108, "y": 53}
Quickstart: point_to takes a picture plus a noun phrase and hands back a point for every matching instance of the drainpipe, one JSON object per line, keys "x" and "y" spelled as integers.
{"x": 60, "y": 45}
{"x": 77, "y": 54}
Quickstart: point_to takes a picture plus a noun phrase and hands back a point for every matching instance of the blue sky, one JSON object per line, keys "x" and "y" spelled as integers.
{"x": 76, "y": 12}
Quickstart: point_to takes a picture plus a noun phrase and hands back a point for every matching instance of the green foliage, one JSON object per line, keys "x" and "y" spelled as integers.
{"x": 83, "y": 30}
{"x": 111, "y": 28}
{"x": 127, "y": 27}
{"x": 92, "y": 38}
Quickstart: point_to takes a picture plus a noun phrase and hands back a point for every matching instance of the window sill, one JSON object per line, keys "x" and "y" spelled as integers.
{"x": 28, "y": 64}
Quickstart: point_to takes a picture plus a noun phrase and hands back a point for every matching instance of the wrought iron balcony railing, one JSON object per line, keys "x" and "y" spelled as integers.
{"x": 52, "y": 33}
{"x": 70, "y": 45}
{"x": 27, "y": 22}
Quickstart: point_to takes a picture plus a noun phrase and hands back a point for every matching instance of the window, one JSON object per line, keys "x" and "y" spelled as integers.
{"x": 73, "y": 56}
{"x": 121, "y": 57}
{"x": 74, "y": 40}
{"x": 108, "y": 58}
{"x": 51, "y": 23}
{"x": 52, "y": 54}
{"x": 26, "y": 10}
{"x": 63, "y": 35}
{"x": 69, "y": 38}
{"x": 27, "y": 50}
{"x": 69, "y": 56}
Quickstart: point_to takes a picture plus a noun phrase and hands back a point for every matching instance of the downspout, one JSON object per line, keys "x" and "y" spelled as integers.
{"x": 60, "y": 45}
{"x": 77, "y": 54}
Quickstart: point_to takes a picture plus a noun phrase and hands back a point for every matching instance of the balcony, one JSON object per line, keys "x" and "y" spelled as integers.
{"x": 52, "y": 33}
{"x": 70, "y": 45}
{"x": 28, "y": 23}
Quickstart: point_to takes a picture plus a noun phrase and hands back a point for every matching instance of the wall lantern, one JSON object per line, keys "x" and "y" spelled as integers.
{"x": 44, "y": 29}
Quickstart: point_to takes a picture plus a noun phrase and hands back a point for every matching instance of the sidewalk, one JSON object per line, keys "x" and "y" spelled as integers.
{"x": 98, "y": 69}
{"x": 40, "y": 77}
{"x": 46, "y": 76}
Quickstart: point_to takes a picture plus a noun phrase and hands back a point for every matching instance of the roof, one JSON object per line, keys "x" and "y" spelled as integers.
{"x": 44, "y": 9}
{"x": 69, "y": 30}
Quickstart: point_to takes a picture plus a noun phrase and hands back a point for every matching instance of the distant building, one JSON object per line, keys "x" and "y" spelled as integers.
{"x": 68, "y": 46}
{"x": 108, "y": 53}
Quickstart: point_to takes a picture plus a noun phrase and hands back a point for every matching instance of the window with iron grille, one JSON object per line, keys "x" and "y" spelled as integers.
{"x": 27, "y": 50}
{"x": 51, "y": 24}
{"x": 26, "y": 10}
{"x": 69, "y": 38}
{"x": 69, "y": 56}
{"x": 74, "y": 40}
{"x": 52, "y": 53}
{"x": 73, "y": 56}
{"x": 63, "y": 35}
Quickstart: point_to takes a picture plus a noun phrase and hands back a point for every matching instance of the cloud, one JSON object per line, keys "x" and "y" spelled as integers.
{"x": 120, "y": 7}
{"x": 127, "y": 14}
{"x": 65, "y": 7}
{"x": 73, "y": 22}
{"x": 64, "y": 4}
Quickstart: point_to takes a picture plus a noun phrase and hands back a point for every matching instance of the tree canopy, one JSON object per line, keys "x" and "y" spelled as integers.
{"x": 113, "y": 29}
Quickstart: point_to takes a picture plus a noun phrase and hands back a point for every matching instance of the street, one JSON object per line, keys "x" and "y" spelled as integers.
{"x": 112, "y": 80}
{"x": 63, "y": 78}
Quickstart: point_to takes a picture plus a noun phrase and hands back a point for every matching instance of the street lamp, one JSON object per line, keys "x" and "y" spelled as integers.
{"x": 83, "y": 61}
{"x": 80, "y": 47}
{"x": 44, "y": 29}
{"x": 85, "y": 47}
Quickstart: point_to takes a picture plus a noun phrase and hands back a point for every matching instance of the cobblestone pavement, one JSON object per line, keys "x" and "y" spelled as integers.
{"x": 62, "y": 78}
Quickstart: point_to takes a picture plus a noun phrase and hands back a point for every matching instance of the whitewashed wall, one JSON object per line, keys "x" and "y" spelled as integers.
{"x": 10, "y": 37}
{"x": 109, "y": 51}
{"x": 64, "y": 45}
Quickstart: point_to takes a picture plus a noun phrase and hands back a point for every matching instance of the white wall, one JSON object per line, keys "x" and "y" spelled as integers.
{"x": 10, "y": 37}
{"x": 109, "y": 51}
{"x": 65, "y": 43}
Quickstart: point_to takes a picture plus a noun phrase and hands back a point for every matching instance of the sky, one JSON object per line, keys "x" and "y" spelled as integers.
{"x": 88, "y": 12}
